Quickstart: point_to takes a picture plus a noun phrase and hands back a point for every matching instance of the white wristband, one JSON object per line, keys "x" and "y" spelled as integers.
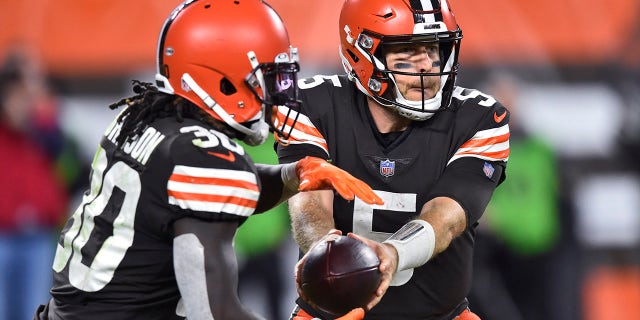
{"x": 414, "y": 242}
{"x": 289, "y": 176}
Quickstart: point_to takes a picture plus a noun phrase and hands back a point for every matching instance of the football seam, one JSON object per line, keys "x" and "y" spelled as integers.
{"x": 352, "y": 271}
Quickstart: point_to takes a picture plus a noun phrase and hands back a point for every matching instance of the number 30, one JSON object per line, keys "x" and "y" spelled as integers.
{"x": 111, "y": 252}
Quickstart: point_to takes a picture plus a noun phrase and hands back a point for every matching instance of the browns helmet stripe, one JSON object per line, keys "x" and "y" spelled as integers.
{"x": 163, "y": 34}
{"x": 421, "y": 6}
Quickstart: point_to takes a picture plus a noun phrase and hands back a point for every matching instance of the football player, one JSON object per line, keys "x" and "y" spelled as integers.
{"x": 153, "y": 237}
{"x": 432, "y": 150}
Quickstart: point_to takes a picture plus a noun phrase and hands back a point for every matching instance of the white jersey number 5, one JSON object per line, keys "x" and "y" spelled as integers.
{"x": 363, "y": 213}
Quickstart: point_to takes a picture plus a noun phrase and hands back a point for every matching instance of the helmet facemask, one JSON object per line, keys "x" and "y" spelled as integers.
{"x": 384, "y": 87}
{"x": 276, "y": 84}
{"x": 368, "y": 28}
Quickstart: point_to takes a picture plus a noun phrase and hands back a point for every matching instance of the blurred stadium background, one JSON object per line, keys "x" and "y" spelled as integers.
{"x": 574, "y": 66}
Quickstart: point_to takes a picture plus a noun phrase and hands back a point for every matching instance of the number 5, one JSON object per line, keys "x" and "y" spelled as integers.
{"x": 363, "y": 221}
{"x": 363, "y": 213}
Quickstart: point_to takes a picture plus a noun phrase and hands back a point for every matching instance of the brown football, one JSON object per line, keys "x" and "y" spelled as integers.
{"x": 339, "y": 275}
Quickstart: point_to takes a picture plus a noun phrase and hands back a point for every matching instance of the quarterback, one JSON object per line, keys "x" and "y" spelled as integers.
{"x": 432, "y": 150}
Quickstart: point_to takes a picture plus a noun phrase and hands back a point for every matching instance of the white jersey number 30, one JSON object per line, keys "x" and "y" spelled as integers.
{"x": 111, "y": 252}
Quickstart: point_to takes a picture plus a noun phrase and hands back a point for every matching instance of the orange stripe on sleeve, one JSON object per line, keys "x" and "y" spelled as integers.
{"x": 474, "y": 143}
{"x": 494, "y": 155}
{"x": 213, "y": 198}
{"x": 214, "y": 181}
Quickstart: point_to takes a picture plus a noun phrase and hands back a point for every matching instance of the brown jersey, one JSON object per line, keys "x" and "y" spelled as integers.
{"x": 114, "y": 258}
{"x": 459, "y": 153}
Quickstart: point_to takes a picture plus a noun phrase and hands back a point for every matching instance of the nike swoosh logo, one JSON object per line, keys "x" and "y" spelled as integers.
{"x": 229, "y": 156}
{"x": 499, "y": 118}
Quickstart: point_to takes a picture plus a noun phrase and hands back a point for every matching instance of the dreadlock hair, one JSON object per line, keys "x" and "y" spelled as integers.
{"x": 149, "y": 104}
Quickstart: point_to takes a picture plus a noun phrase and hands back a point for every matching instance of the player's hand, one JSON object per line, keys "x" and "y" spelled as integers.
{"x": 333, "y": 233}
{"x": 388, "y": 264}
{"x": 355, "y": 314}
{"x": 318, "y": 174}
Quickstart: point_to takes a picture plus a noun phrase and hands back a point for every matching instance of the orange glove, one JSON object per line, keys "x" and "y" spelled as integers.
{"x": 318, "y": 174}
{"x": 355, "y": 314}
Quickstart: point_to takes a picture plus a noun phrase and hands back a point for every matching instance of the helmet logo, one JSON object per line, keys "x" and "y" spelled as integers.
{"x": 185, "y": 86}
{"x": 285, "y": 84}
{"x": 421, "y": 28}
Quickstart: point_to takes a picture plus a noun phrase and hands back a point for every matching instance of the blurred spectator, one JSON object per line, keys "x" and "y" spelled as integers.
{"x": 33, "y": 198}
{"x": 524, "y": 231}
{"x": 44, "y": 124}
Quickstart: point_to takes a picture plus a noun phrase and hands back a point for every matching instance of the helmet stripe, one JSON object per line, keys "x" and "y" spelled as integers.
{"x": 416, "y": 5}
{"x": 421, "y": 6}
{"x": 163, "y": 34}
{"x": 425, "y": 5}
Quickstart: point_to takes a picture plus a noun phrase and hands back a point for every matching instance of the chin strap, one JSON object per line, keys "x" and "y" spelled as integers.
{"x": 255, "y": 135}
{"x": 429, "y": 106}
{"x": 262, "y": 132}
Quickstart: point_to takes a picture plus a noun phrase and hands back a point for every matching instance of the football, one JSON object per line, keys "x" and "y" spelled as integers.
{"x": 339, "y": 274}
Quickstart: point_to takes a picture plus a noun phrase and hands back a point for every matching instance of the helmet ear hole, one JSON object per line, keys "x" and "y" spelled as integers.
{"x": 226, "y": 87}
{"x": 353, "y": 56}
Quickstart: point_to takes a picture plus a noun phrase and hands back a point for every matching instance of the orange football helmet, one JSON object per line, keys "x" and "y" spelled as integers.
{"x": 233, "y": 59}
{"x": 368, "y": 26}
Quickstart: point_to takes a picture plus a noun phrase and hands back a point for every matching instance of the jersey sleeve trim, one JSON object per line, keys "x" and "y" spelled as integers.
{"x": 304, "y": 132}
{"x": 213, "y": 190}
{"x": 491, "y": 144}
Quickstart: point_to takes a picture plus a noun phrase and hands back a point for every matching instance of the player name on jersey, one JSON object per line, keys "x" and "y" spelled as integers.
{"x": 141, "y": 148}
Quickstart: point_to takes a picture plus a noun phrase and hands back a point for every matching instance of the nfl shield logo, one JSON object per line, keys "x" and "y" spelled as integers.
{"x": 184, "y": 85}
{"x": 488, "y": 169}
{"x": 387, "y": 168}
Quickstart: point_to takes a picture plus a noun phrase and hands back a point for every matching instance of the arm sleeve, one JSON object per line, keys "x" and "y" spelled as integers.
{"x": 471, "y": 182}
{"x": 206, "y": 269}
{"x": 292, "y": 153}
{"x": 272, "y": 186}
{"x": 478, "y": 166}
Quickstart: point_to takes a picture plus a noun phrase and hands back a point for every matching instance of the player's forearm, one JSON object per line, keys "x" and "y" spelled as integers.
{"x": 206, "y": 270}
{"x": 274, "y": 189}
{"x": 311, "y": 217}
{"x": 418, "y": 241}
{"x": 447, "y": 218}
